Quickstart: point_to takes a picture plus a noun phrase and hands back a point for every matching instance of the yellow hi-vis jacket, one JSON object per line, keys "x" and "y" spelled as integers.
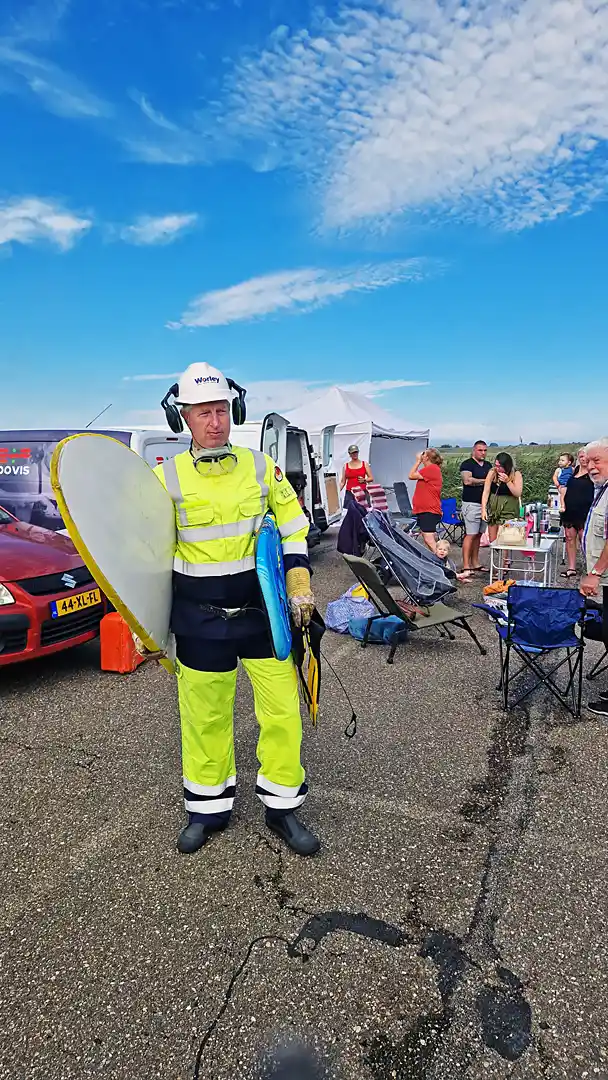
{"x": 217, "y": 516}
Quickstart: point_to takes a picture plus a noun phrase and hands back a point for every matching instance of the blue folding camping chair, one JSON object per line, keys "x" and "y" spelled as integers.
{"x": 538, "y": 624}
{"x": 451, "y": 520}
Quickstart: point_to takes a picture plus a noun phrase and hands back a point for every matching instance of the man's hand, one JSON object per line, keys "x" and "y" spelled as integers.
{"x": 589, "y": 585}
{"x": 299, "y": 593}
{"x": 301, "y": 608}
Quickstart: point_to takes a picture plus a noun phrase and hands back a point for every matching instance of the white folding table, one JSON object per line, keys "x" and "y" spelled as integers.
{"x": 532, "y": 562}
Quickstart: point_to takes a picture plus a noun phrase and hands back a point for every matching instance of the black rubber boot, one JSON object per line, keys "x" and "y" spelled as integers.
{"x": 296, "y": 836}
{"x": 193, "y": 837}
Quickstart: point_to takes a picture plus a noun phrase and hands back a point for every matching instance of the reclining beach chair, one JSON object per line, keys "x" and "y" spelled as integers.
{"x": 423, "y": 576}
{"x": 440, "y": 617}
{"x": 377, "y": 497}
{"x": 539, "y": 623}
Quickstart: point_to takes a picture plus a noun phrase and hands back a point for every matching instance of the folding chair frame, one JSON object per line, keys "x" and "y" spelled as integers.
{"x": 531, "y": 663}
{"x": 392, "y": 608}
{"x": 600, "y": 666}
{"x": 404, "y": 518}
{"x": 531, "y": 657}
{"x": 450, "y": 528}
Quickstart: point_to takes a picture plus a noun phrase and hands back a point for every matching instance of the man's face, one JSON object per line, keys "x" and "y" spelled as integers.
{"x": 479, "y": 451}
{"x": 209, "y": 423}
{"x": 597, "y": 463}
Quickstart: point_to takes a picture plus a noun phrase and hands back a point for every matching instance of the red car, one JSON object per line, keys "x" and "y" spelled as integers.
{"x": 48, "y": 599}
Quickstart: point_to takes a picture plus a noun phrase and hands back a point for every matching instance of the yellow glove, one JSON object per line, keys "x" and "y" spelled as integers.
{"x": 299, "y": 592}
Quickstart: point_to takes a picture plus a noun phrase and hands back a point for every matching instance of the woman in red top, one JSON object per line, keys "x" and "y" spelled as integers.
{"x": 355, "y": 473}
{"x": 427, "y": 494}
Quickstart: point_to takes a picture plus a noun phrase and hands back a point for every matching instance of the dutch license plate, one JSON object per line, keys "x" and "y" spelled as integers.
{"x": 70, "y": 604}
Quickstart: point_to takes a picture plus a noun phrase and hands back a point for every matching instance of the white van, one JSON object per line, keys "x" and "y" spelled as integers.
{"x": 290, "y": 447}
{"x": 25, "y": 462}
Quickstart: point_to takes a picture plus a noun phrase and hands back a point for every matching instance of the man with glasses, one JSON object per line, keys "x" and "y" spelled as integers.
{"x": 221, "y": 493}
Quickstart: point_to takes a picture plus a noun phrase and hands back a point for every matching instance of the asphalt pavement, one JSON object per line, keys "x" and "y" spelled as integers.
{"x": 453, "y": 925}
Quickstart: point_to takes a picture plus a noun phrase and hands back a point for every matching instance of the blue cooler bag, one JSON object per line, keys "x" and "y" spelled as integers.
{"x": 382, "y": 631}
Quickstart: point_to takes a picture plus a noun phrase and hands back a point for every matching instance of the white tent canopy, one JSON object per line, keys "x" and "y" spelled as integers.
{"x": 339, "y": 417}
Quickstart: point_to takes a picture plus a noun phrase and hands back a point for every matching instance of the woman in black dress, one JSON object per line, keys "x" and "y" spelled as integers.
{"x": 577, "y": 502}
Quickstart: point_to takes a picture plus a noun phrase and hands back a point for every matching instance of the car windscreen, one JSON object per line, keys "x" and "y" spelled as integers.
{"x": 25, "y": 482}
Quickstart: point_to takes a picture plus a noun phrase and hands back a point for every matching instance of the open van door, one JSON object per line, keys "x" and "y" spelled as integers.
{"x": 273, "y": 438}
{"x": 330, "y": 494}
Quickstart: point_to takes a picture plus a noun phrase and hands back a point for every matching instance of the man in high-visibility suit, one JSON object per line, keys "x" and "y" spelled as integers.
{"x": 221, "y": 493}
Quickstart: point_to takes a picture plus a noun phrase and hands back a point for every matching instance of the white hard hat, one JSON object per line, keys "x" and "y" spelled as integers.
{"x": 202, "y": 382}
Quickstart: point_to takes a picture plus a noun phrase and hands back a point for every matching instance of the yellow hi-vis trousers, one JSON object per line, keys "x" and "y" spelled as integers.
{"x": 206, "y": 703}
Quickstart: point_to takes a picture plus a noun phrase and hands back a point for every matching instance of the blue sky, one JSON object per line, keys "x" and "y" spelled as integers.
{"x": 375, "y": 194}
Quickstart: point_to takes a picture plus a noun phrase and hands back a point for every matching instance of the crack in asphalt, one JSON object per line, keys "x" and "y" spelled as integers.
{"x": 234, "y": 978}
{"x": 483, "y": 1003}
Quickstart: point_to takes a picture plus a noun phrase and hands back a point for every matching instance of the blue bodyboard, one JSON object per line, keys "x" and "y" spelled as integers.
{"x": 271, "y": 576}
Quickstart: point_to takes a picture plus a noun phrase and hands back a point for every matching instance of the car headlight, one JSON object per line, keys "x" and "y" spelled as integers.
{"x": 6, "y": 596}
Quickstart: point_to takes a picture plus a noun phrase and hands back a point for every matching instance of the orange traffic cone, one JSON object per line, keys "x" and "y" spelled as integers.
{"x": 118, "y": 652}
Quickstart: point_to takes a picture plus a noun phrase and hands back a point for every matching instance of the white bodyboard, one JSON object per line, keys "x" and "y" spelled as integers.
{"x": 122, "y": 522}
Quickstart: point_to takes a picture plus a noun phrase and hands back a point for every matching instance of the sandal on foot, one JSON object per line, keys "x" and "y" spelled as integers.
{"x": 568, "y": 573}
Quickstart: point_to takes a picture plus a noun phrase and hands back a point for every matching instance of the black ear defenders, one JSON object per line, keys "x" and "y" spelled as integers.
{"x": 174, "y": 416}
{"x": 239, "y": 409}
{"x": 172, "y": 413}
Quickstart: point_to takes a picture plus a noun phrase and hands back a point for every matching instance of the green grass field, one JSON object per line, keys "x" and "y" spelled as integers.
{"x": 536, "y": 463}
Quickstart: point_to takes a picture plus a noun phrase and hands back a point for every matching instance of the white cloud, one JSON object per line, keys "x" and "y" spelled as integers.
{"x": 153, "y": 114}
{"x": 62, "y": 94}
{"x": 380, "y": 386}
{"x": 151, "y": 378}
{"x": 284, "y": 395}
{"x": 157, "y": 230}
{"x": 27, "y": 220}
{"x": 280, "y": 395}
{"x": 485, "y": 112}
{"x": 294, "y": 291}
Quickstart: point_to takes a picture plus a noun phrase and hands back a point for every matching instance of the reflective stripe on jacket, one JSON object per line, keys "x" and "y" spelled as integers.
{"x": 217, "y": 516}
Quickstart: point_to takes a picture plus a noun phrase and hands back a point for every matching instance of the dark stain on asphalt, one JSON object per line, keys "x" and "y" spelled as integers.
{"x": 506, "y": 1020}
{"x": 503, "y": 801}
{"x": 330, "y": 922}
{"x": 508, "y": 742}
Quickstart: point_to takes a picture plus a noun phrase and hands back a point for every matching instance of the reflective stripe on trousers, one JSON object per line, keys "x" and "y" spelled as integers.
{"x": 214, "y": 569}
{"x": 206, "y": 701}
